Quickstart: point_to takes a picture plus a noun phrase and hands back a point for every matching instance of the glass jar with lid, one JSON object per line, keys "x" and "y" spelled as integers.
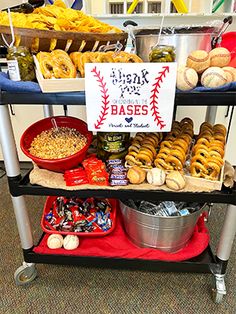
{"x": 112, "y": 145}
{"x": 20, "y": 64}
{"x": 162, "y": 53}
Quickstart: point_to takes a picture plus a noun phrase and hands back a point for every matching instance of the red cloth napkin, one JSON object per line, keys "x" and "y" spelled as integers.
{"x": 117, "y": 245}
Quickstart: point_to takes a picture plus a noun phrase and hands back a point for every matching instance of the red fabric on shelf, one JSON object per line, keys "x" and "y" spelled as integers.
{"x": 117, "y": 245}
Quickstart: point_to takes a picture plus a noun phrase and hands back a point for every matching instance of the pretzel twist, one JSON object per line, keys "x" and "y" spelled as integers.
{"x": 208, "y": 152}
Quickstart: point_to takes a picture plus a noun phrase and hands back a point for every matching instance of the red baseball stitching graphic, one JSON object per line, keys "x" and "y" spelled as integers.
{"x": 154, "y": 97}
{"x": 105, "y": 98}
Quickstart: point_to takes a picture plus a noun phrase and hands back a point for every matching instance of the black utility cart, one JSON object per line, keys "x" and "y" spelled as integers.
{"x": 19, "y": 185}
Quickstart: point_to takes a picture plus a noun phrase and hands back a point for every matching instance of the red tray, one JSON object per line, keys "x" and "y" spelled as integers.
{"x": 99, "y": 233}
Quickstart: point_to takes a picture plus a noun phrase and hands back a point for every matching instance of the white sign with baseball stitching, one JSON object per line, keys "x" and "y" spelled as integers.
{"x": 130, "y": 97}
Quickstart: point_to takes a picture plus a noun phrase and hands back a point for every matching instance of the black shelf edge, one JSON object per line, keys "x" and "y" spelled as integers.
{"x": 78, "y": 98}
{"x": 204, "y": 263}
{"x": 23, "y": 187}
{"x": 73, "y": 98}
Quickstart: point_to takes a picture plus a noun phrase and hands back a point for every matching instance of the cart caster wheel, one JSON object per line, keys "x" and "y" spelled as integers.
{"x": 217, "y": 296}
{"x": 25, "y": 275}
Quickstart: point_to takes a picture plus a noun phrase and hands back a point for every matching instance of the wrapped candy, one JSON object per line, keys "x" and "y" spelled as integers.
{"x": 77, "y": 215}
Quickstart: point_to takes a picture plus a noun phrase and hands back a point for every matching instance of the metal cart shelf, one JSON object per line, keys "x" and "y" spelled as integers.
{"x": 19, "y": 185}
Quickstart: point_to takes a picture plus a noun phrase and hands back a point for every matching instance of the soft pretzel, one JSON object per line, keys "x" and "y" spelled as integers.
{"x": 218, "y": 149}
{"x": 75, "y": 58}
{"x": 186, "y": 121}
{"x": 220, "y": 128}
{"x": 131, "y": 160}
{"x": 144, "y": 158}
{"x": 161, "y": 163}
{"x": 198, "y": 170}
{"x": 46, "y": 64}
{"x": 132, "y": 153}
{"x": 64, "y": 68}
{"x": 147, "y": 152}
{"x": 181, "y": 143}
{"x": 167, "y": 144}
{"x": 174, "y": 162}
{"x": 149, "y": 141}
{"x": 149, "y": 147}
{"x": 56, "y": 64}
{"x": 134, "y": 147}
{"x": 208, "y": 152}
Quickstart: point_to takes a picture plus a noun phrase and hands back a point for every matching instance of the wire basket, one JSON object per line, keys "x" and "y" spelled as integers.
{"x": 48, "y": 40}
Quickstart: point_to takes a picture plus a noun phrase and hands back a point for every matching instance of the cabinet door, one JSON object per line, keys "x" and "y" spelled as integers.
{"x": 197, "y": 114}
{"x": 231, "y": 142}
{"x": 77, "y": 112}
{"x": 24, "y": 116}
{"x": 223, "y": 115}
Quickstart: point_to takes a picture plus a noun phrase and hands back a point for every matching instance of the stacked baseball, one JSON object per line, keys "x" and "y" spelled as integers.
{"x": 211, "y": 69}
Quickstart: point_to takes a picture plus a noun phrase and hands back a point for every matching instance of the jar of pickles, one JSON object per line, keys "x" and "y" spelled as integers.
{"x": 162, "y": 53}
{"x": 111, "y": 145}
{"x": 20, "y": 64}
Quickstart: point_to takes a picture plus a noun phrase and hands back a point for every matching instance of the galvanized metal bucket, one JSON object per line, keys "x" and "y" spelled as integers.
{"x": 168, "y": 234}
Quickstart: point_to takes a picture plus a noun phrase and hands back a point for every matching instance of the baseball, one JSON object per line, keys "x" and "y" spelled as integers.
{"x": 55, "y": 241}
{"x": 156, "y": 176}
{"x": 187, "y": 78}
{"x": 71, "y": 242}
{"x": 230, "y": 74}
{"x": 198, "y": 60}
{"x": 214, "y": 77}
{"x": 219, "y": 57}
{"x": 175, "y": 181}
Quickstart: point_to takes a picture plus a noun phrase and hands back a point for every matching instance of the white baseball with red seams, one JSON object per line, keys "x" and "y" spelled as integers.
{"x": 55, "y": 241}
{"x": 213, "y": 77}
{"x": 187, "y": 78}
{"x": 198, "y": 60}
{"x": 175, "y": 181}
{"x": 156, "y": 176}
{"x": 71, "y": 242}
{"x": 219, "y": 57}
{"x": 230, "y": 74}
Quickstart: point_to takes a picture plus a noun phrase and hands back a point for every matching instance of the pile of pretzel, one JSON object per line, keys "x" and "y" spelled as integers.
{"x": 208, "y": 152}
{"x": 56, "y": 64}
{"x": 80, "y": 58}
{"x": 174, "y": 149}
{"x": 142, "y": 152}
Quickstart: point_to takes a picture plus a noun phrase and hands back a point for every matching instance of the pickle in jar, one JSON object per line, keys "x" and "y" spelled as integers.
{"x": 162, "y": 53}
{"x": 24, "y": 64}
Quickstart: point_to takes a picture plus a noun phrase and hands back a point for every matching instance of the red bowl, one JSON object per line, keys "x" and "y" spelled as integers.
{"x": 98, "y": 233}
{"x": 60, "y": 164}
